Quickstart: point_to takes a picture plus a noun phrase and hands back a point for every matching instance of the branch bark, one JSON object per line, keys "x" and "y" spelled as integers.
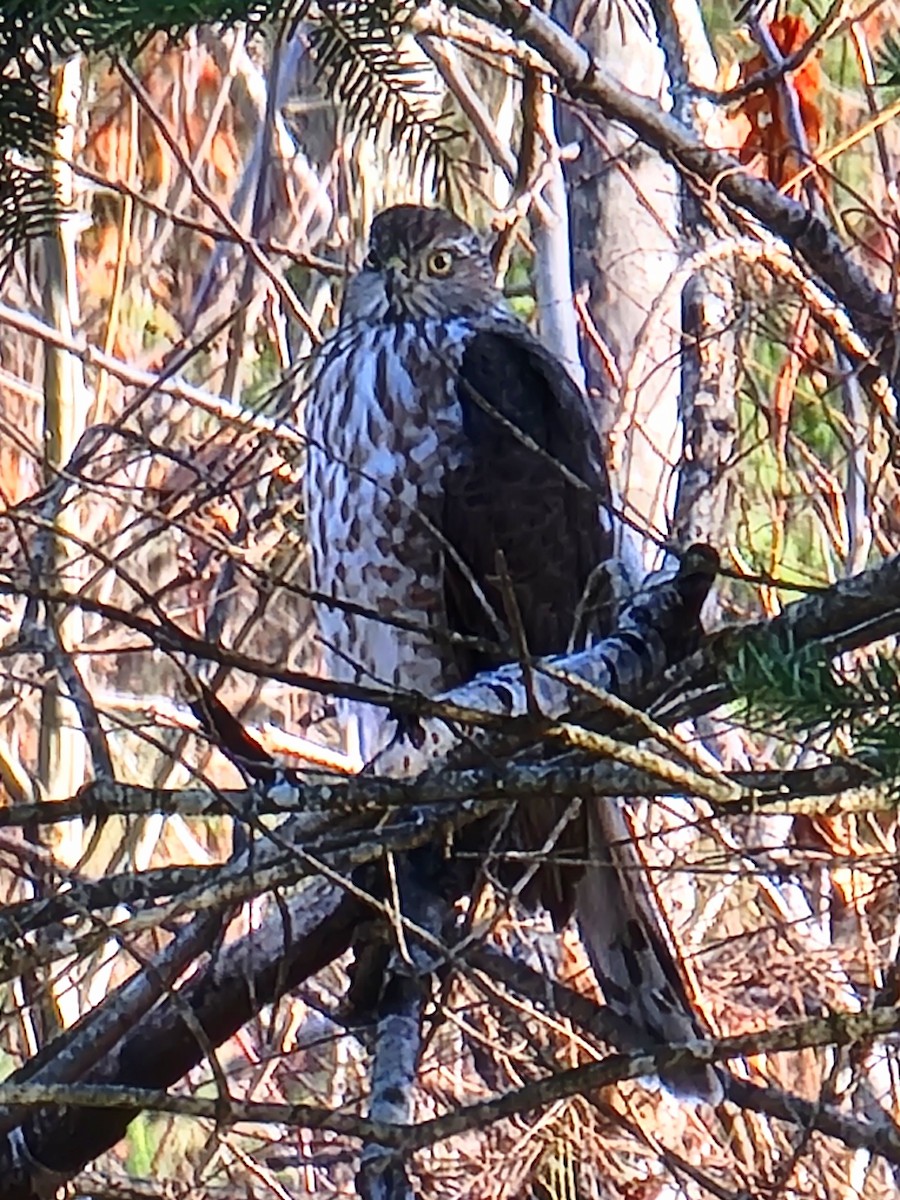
{"x": 297, "y": 940}
{"x": 585, "y": 81}
{"x": 247, "y": 975}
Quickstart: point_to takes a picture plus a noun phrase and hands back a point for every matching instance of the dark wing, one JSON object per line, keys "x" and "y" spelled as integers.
{"x": 531, "y": 484}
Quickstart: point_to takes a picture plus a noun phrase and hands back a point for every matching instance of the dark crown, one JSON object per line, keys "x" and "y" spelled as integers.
{"x": 411, "y": 228}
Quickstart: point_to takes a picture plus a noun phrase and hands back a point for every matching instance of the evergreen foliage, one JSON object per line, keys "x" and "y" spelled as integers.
{"x": 33, "y": 36}
{"x": 805, "y": 690}
{"x": 26, "y": 126}
{"x": 888, "y": 61}
{"x": 356, "y": 47}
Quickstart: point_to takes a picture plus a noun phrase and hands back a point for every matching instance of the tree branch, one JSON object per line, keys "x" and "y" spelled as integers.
{"x": 584, "y": 80}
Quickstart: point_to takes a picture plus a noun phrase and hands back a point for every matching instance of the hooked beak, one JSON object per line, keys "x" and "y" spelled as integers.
{"x": 395, "y": 277}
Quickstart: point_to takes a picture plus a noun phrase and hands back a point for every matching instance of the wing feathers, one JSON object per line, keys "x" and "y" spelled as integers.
{"x": 530, "y": 485}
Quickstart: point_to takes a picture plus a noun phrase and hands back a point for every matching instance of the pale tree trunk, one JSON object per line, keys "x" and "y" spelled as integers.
{"x": 709, "y": 360}
{"x": 624, "y": 203}
{"x": 552, "y": 241}
{"x": 655, "y": 377}
{"x": 62, "y": 758}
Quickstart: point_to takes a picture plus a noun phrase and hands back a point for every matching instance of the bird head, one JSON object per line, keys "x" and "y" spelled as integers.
{"x": 422, "y": 262}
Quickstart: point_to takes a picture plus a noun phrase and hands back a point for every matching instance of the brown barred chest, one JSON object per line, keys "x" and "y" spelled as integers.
{"x": 384, "y": 425}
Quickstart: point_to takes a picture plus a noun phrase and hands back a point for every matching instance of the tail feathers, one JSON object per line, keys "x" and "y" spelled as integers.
{"x": 626, "y": 938}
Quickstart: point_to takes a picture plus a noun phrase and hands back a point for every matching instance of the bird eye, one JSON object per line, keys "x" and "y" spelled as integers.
{"x": 440, "y": 262}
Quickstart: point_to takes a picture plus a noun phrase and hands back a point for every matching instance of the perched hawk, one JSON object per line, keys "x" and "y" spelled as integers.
{"x": 441, "y": 434}
{"x": 455, "y": 478}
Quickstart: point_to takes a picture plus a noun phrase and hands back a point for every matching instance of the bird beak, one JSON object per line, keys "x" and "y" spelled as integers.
{"x": 395, "y": 277}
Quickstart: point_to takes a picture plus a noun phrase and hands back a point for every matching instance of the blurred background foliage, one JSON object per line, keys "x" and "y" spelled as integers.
{"x": 224, "y": 163}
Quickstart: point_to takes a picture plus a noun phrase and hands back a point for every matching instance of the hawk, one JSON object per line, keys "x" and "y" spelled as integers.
{"x": 442, "y": 434}
{"x": 458, "y": 504}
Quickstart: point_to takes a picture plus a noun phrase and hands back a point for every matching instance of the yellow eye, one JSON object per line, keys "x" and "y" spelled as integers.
{"x": 440, "y": 262}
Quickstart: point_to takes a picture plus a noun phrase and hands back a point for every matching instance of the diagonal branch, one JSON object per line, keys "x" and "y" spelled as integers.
{"x": 225, "y": 994}
{"x": 304, "y": 935}
{"x": 585, "y": 81}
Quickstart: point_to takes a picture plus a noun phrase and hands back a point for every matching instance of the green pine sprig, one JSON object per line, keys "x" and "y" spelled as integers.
{"x": 887, "y": 61}
{"x": 38, "y": 33}
{"x": 793, "y": 690}
{"x": 355, "y": 43}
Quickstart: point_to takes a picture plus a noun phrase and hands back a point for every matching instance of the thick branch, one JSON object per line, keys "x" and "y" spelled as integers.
{"x": 631, "y": 664}
{"x": 297, "y": 940}
{"x": 840, "y": 1029}
{"x": 585, "y": 81}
